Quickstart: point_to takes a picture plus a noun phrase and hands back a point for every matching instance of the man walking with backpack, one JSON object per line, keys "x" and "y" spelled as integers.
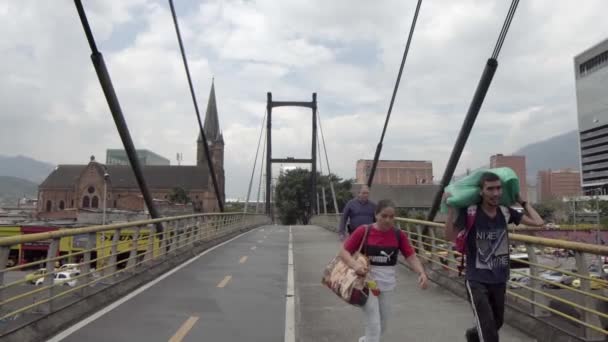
{"x": 483, "y": 228}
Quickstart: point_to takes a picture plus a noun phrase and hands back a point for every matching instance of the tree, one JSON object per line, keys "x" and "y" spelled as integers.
{"x": 292, "y": 195}
{"x": 544, "y": 210}
{"x": 179, "y": 195}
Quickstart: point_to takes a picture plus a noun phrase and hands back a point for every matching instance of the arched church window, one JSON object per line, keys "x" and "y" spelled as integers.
{"x": 86, "y": 202}
{"x": 49, "y": 205}
{"x": 95, "y": 202}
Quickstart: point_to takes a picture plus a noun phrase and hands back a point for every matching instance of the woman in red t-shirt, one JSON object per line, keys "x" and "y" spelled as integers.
{"x": 382, "y": 246}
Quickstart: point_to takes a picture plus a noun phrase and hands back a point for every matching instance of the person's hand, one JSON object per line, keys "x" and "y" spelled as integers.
{"x": 423, "y": 281}
{"x": 361, "y": 269}
{"x": 445, "y": 197}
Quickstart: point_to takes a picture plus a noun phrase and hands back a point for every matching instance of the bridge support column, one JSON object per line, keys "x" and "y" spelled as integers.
{"x": 113, "y": 254}
{"x": 4, "y": 253}
{"x": 536, "y": 284}
{"x": 131, "y": 264}
{"x": 582, "y": 268}
{"x": 49, "y": 277}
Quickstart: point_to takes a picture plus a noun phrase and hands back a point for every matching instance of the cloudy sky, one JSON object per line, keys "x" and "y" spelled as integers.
{"x": 52, "y": 108}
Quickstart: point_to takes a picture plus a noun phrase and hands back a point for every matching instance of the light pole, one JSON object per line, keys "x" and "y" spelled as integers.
{"x": 106, "y": 177}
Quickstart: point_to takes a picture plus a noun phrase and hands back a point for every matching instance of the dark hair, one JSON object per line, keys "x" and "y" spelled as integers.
{"x": 487, "y": 177}
{"x": 383, "y": 204}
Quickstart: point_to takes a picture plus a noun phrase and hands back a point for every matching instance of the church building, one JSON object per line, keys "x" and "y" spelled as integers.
{"x": 73, "y": 188}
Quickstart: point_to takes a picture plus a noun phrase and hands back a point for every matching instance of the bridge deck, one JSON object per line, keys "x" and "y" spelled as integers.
{"x": 237, "y": 292}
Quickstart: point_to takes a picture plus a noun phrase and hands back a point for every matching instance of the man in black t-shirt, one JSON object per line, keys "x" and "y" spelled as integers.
{"x": 487, "y": 253}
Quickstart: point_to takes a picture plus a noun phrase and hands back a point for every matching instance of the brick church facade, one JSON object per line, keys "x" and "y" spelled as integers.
{"x": 72, "y": 188}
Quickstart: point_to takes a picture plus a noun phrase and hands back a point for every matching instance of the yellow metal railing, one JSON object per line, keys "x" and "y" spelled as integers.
{"x": 588, "y": 298}
{"x": 131, "y": 247}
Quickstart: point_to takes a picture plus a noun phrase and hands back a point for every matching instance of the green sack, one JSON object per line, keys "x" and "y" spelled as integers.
{"x": 465, "y": 192}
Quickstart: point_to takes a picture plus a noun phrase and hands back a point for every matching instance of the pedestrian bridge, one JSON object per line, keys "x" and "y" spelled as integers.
{"x": 230, "y": 277}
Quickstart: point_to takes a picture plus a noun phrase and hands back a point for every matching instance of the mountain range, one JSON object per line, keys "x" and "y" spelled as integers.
{"x": 558, "y": 152}
{"x": 20, "y": 175}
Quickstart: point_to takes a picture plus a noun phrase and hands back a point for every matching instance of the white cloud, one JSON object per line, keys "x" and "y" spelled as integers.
{"x": 53, "y": 109}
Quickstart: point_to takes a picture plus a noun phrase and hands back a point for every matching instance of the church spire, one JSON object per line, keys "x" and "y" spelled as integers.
{"x": 212, "y": 122}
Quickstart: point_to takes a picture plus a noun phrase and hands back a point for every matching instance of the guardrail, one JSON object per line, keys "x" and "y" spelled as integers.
{"x": 107, "y": 255}
{"x": 551, "y": 280}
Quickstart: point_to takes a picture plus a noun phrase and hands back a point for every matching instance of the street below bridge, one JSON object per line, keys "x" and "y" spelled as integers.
{"x": 237, "y": 291}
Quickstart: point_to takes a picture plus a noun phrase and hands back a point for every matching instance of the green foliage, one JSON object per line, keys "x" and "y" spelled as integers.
{"x": 292, "y": 195}
{"x": 545, "y": 210}
{"x": 179, "y": 195}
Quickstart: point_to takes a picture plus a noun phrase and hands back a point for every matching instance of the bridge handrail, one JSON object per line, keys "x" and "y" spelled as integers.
{"x": 101, "y": 261}
{"x": 533, "y": 297}
{"x": 546, "y": 242}
{"x": 24, "y": 238}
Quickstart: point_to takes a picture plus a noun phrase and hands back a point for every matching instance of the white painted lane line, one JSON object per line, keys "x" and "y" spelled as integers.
{"x": 69, "y": 331}
{"x": 243, "y": 259}
{"x": 253, "y": 248}
{"x": 290, "y": 308}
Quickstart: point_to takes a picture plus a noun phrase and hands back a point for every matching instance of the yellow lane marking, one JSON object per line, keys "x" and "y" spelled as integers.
{"x": 184, "y": 329}
{"x": 224, "y": 282}
{"x": 243, "y": 259}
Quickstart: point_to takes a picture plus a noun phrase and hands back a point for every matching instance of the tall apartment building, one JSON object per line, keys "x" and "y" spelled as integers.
{"x": 591, "y": 77}
{"x": 557, "y": 184}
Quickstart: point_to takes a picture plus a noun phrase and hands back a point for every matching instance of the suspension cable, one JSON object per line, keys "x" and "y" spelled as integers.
{"x": 255, "y": 160}
{"x": 329, "y": 175}
{"x": 390, "y": 107}
{"x": 257, "y": 201}
{"x": 198, "y": 114}
{"x": 505, "y": 28}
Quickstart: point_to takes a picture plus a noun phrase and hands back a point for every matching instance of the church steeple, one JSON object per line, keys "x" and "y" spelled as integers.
{"x": 215, "y": 140}
{"x": 212, "y": 122}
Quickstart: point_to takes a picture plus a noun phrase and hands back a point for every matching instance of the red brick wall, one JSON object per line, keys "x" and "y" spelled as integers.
{"x": 396, "y": 172}
{"x": 518, "y": 164}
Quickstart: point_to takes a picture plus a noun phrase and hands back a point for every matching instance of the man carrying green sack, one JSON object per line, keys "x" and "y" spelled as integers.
{"x": 465, "y": 192}
{"x": 478, "y": 217}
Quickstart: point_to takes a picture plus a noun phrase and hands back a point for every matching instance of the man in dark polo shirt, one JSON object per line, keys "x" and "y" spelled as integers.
{"x": 357, "y": 212}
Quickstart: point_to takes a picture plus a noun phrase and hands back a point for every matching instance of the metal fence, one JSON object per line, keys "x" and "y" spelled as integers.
{"x": 99, "y": 256}
{"x": 560, "y": 282}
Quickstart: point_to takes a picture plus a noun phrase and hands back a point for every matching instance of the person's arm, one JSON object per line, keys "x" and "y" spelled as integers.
{"x": 359, "y": 268}
{"x": 412, "y": 260}
{"x": 343, "y": 219}
{"x": 351, "y": 246}
{"x": 530, "y": 216}
{"x": 451, "y": 227}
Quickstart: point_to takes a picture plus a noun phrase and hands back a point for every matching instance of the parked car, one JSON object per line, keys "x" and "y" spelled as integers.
{"x": 32, "y": 277}
{"x": 515, "y": 284}
{"x": 553, "y": 276}
{"x": 69, "y": 267}
{"x": 64, "y": 278}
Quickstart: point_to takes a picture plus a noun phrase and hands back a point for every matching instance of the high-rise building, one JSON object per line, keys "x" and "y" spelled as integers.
{"x": 557, "y": 184}
{"x": 591, "y": 77}
{"x": 396, "y": 172}
{"x": 119, "y": 157}
{"x": 517, "y": 164}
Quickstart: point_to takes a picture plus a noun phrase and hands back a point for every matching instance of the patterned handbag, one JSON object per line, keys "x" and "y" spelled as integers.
{"x": 343, "y": 280}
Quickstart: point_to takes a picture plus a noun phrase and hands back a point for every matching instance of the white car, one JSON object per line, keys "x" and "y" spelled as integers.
{"x": 65, "y": 278}
{"x": 69, "y": 267}
{"x": 554, "y": 276}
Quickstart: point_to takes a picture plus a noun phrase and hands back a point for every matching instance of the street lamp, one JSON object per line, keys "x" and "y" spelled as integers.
{"x": 106, "y": 177}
